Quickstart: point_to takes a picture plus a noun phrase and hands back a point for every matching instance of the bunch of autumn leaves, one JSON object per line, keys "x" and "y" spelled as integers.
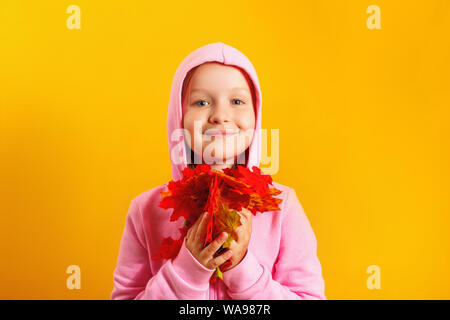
{"x": 223, "y": 195}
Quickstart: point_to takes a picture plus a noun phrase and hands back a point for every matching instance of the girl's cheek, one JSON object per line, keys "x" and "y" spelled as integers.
{"x": 188, "y": 126}
{"x": 246, "y": 119}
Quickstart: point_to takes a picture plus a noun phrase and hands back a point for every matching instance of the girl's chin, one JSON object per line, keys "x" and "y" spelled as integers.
{"x": 220, "y": 149}
{"x": 213, "y": 159}
{"x": 223, "y": 163}
{"x": 216, "y": 159}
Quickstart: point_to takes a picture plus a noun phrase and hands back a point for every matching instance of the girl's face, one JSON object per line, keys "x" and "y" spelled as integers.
{"x": 218, "y": 113}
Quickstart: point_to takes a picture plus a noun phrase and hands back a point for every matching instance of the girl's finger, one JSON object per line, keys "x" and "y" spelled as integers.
{"x": 247, "y": 214}
{"x": 188, "y": 234}
{"x": 217, "y": 261}
{"x": 201, "y": 229}
{"x": 194, "y": 227}
{"x": 211, "y": 249}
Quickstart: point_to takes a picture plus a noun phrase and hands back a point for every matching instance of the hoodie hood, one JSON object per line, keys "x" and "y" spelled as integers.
{"x": 227, "y": 55}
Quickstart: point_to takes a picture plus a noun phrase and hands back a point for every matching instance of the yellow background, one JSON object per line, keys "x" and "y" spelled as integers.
{"x": 363, "y": 118}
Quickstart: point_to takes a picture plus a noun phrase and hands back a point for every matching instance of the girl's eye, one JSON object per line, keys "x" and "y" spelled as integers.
{"x": 201, "y": 105}
{"x": 239, "y": 100}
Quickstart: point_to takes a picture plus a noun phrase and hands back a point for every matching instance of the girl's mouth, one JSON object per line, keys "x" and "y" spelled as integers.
{"x": 221, "y": 132}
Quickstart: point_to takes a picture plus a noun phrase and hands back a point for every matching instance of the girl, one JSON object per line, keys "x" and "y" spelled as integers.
{"x": 214, "y": 117}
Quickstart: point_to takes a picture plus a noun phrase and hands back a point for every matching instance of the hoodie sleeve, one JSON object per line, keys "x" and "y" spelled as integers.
{"x": 182, "y": 278}
{"x": 297, "y": 272}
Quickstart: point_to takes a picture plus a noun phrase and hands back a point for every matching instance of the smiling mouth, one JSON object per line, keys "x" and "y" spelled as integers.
{"x": 221, "y": 133}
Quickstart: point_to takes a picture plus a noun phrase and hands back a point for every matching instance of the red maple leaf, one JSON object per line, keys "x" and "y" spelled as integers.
{"x": 223, "y": 195}
{"x": 169, "y": 248}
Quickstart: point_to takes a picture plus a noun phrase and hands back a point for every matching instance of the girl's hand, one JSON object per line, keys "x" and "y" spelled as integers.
{"x": 244, "y": 232}
{"x": 194, "y": 242}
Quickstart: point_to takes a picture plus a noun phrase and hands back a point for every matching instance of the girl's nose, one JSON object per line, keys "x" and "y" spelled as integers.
{"x": 220, "y": 113}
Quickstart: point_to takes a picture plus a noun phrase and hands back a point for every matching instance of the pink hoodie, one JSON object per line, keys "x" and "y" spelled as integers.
{"x": 281, "y": 261}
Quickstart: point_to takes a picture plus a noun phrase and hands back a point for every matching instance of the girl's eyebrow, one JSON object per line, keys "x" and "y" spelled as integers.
{"x": 233, "y": 89}
{"x": 195, "y": 90}
{"x": 240, "y": 89}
